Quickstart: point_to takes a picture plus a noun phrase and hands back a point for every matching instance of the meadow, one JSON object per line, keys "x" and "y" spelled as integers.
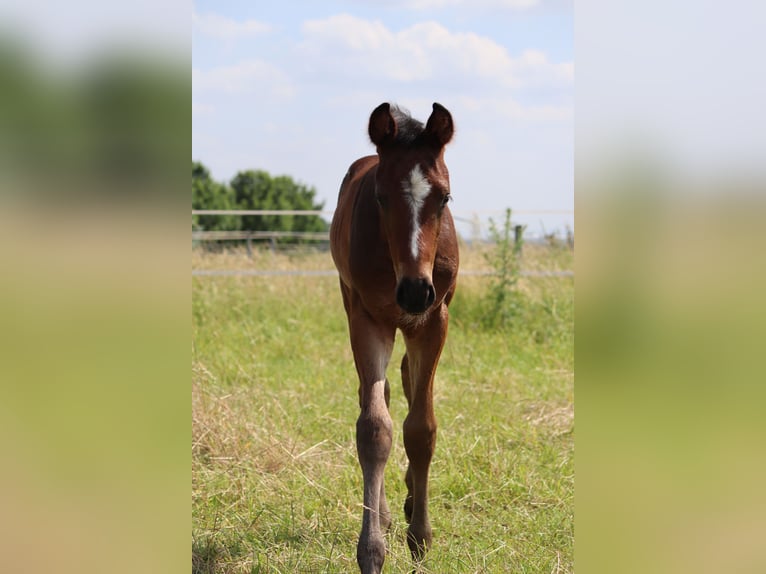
{"x": 276, "y": 486}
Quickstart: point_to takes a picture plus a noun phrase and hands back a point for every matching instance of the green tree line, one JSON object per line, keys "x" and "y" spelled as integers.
{"x": 253, "y": 189}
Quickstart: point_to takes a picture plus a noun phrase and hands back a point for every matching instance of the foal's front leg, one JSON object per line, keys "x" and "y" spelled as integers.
{"x": 423, "y": 350}
{"x": 372, "y": 345}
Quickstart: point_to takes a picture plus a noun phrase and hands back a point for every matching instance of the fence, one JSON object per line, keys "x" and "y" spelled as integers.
{"x": 474, "y": 221}
{"x": 333, "y": 273}
{"x": 474, "y": 225}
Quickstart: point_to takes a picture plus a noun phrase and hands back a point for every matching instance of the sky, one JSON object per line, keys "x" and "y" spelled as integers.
{"x": 288, "y": 87}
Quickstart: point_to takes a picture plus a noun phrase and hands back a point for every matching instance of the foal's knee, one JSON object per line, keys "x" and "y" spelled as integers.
{"x": 374, "y": 435}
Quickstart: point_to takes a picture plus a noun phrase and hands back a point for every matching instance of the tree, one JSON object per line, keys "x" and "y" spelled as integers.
{"x": 209, "y": 194}
{"x": 258, "y": 190}
{"x": 253, "y": 189}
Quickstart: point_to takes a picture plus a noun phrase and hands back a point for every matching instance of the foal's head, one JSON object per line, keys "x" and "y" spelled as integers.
{"x": 412, "y": 190}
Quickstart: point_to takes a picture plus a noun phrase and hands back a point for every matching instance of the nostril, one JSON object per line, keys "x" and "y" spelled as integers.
{"x": 401, "y": 294}
{"x": 430, "y": 296}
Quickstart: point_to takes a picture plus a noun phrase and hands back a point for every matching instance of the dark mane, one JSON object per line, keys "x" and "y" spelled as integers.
{"x": 408, "y": 128}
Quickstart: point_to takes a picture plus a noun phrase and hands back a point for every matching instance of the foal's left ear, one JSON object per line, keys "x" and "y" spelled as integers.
{"x": 439, "y": 126}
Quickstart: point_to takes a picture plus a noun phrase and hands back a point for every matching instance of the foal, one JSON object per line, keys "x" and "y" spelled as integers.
{"x": 393, "y": 241}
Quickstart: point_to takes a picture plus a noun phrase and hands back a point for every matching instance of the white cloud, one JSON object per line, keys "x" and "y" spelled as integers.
{"x": 436, "y": 4}
{"x": 515, "y": 4}
{"x": 223, "y": 28}
{"x": 533, "y": 68}
{"x": 509, "y": 109}
{"x": 512, "y": 107}
{"x": 249, "y": 76}
{"x": 427, "y": 51}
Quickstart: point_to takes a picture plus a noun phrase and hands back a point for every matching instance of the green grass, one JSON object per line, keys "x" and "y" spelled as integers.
{"x": 276, "y": 486}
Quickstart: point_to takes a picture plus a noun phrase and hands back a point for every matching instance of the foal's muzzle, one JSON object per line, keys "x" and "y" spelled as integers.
{"x": 415, "y": 295}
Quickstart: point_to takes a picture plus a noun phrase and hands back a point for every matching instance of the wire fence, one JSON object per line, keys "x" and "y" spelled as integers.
{"x": 471, "y": 225}
{"x": 477, "y": 223}
{"x": 333, "y": 273}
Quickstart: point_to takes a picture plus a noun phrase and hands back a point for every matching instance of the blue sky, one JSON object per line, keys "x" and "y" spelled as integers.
{"x": 288, "y": 87}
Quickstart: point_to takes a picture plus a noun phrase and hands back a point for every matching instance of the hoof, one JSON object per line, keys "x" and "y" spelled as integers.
{"x": 370, "y": 554}
{"x": 418, "y": 542}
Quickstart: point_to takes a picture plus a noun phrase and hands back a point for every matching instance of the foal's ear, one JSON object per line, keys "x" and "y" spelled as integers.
{"x": 382, "y": 128}
{"x": 439, "y": 126}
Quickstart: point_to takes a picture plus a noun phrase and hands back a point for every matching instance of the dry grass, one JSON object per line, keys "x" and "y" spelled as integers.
{"x": 276, "y": 486}
{"x": 535, "y": 257}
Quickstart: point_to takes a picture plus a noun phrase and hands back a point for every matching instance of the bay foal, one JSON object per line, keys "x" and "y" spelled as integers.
{"x": 393, "y": 241}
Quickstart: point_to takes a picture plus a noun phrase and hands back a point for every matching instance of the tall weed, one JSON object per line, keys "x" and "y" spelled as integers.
{"x": 529, "y": 311}
{"x": 503, "y": 302}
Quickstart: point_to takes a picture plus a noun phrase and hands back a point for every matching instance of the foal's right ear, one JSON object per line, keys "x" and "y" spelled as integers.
{"x": 439, "y": 126}
{"x": 382, "y": 128}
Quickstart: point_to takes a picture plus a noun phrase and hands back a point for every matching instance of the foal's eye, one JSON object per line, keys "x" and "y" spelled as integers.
{"x": 380, "y": 199}
{"x": 446, "y": 199}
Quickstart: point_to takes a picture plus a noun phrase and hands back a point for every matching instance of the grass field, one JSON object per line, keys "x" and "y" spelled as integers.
{"x": 276, "y": 486}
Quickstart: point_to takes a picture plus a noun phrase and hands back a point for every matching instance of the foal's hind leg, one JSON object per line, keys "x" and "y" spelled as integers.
{"x": 384, "y": 511}
{"x": 423, "y": 350}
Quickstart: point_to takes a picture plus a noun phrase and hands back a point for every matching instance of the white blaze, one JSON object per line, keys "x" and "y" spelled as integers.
{"x": 417, "y": 189}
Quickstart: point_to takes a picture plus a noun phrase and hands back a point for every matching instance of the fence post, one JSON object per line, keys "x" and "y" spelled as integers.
{"x": 517, "y": 231}
{"x": 249, "y": 245}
